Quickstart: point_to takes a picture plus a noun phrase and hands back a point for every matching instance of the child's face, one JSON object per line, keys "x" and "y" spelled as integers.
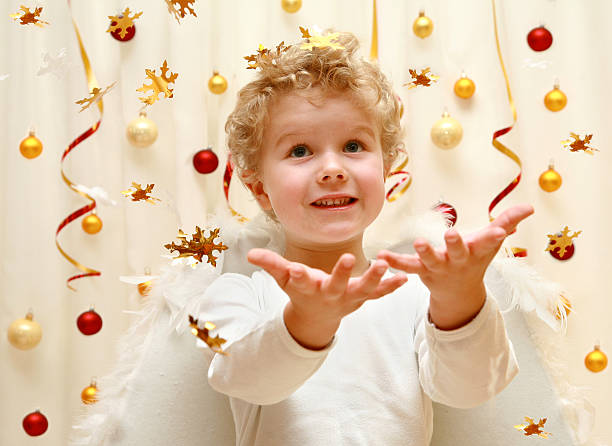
{"x": 312, "y": 151}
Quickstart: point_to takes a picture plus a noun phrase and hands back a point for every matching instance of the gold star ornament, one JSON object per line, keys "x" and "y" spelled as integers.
{"x": 328, "y": 40}
{"x": 561, "y": 240}
{"x": 158, "y": 85}
{"x": 424, "y": 78}
{"x": 26, "y": 17}
{"x": 533, "y": 429}
{"x": 140, "y": 194}
{"x": 122, "y": 22}
{"x": 204, "y": 334}
{"x": 579, "y": 144}
{"x": 180, "y": 8}
{"x": 198, "y": 246}
{"x": 96, "y": 95}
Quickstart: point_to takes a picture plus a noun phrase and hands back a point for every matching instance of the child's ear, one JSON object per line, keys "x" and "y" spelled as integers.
{"x": 257, "y": 188}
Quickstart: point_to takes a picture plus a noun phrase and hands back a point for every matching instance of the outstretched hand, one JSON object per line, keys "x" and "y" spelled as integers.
{"x": 454, "y": 273}
{"x": 318, "y": 300}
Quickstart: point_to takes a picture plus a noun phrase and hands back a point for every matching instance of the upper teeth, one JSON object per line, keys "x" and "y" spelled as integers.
{"x": 334, "y": 202}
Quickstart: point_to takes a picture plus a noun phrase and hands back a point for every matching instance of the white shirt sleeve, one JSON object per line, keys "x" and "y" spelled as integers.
{"x": 465, "y": 367}
{"x": 263, "y": 363}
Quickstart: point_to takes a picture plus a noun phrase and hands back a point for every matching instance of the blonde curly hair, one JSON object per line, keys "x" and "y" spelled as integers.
{"x": 293, "y": 69}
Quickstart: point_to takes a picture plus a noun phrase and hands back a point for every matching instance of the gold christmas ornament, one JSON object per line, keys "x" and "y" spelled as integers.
{"x": 555, "y": 100}
{"x": 31, "y": 146}
{"x": 291, "y": 6}
{"x": 217, "y": 83}
{"x": 24, "y": 334}
{"x": 550, "y": 180}
{"x": 141, "y": 132}
{"x": 596, "y": 361}
{"x": 422, "y": 26}
{"x": 464, "y": 87}
{"x": 91, "y": 224}
{"x": 89, "y": 394}
{"x": 446, "y": 133}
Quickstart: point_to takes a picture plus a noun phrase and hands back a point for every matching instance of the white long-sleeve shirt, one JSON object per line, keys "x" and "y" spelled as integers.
{"x": 372, "y": 386}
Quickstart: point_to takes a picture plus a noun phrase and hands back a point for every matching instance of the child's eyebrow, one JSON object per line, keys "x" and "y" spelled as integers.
{"x": 359, "y": 128}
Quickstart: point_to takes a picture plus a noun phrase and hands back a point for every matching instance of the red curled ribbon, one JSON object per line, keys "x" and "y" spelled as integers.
{"x": 227, "y": 179}
{"x": 91, "y": 83}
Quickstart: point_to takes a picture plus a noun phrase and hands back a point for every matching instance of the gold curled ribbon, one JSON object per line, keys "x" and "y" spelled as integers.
{"x": 374, "y": 45}
{"x": 227, "y": 179}
{"x": 91, "y": 83}
{"x": 518, "y": 252}
{"x": 391, "y": 196}
{"x": 498, "y": 145}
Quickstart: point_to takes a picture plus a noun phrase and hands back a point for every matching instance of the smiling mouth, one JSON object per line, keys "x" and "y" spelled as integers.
{"x": 334, "y": 203}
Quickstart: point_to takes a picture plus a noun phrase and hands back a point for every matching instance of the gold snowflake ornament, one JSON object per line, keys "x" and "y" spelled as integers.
{"x": 264, "y": 54}
{"x": 204, "y": 334}
{"x": 180, "y": 8}
{"x": 562, "y": 240}
{"x": 122, "y": 22}
{"x": 140, "y": 194}
{"x": 328, "y": 40}
{"x": 579, "y": 144}
{"x": 159, "y": 84}
{"x": 96, "y": 95}
{"x": 198, "y": 246}
{"x": 424, "y": 78}
{"x": 26, "y": 17}
{"x": 533, "y": 429}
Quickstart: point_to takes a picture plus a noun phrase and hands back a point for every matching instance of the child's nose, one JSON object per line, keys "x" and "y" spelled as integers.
{"x": 332, "y": 172}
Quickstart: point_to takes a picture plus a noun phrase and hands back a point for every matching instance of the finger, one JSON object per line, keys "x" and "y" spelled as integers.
{"x": 486, "y": 242}
{"x": 371, "y": 278}
{"x": 301, "y": 277}
{"x": 508, "y": 219}
{"x": 432, "y": 259}
{"x": 276, "y": 265}
{"x": 388, "y": 285}
{"x": 405, "y": 262}
{"x": 457, "y": 250}
{"x": 337, "y": 282}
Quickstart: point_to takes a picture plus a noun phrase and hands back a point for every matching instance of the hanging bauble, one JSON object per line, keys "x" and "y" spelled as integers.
{"x": 205, "y": 161}
{"x": 449, "y": 212}
{"x": 550, "y": 180}
{"x": 25, "y": 333}
{"x": 89, "y": 393}
{"x": 539, "y": 39}
{"x": 446, "y": 133}
{"x": 89, "y": 322}
{"x": 555, "y": 99}
{"x": 141, "y": 132}
{"x": 565, "y": 305}
{"x": 556, "y": 252}
{"x": 596, "y": 361}
{"x": 291, "y": 6}
{"x": 35, "y": 424}
{"x": 128, "y": 33}
{"x": 464, "y": 87}
{"x": 217, "y": 83}
{"x": 31, "y": 146}
{"x": 422, "y": 26}
{"x": 91, "y": 224}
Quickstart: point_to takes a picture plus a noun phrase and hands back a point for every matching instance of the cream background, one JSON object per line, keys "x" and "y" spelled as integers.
{"x": 34, "y": 200}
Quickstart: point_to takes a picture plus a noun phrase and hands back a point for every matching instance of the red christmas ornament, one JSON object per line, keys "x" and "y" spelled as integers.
{"x": 569, "y": 251}
{"x": 35, "y": 424}
{"x": 89, "y": 322}
{"x": 130, "y": 32}
{"x": 539, "y": 39}
{"x": 205, "y": 161}
{"x": 449, "y": 211}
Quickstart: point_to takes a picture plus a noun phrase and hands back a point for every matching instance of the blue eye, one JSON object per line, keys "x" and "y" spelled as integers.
{"x": 353, "y": 147}
{"x": 299, "y": 151}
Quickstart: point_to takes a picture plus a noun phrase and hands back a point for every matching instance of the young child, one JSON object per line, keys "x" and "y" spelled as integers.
{"x": 326, "y": 346}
